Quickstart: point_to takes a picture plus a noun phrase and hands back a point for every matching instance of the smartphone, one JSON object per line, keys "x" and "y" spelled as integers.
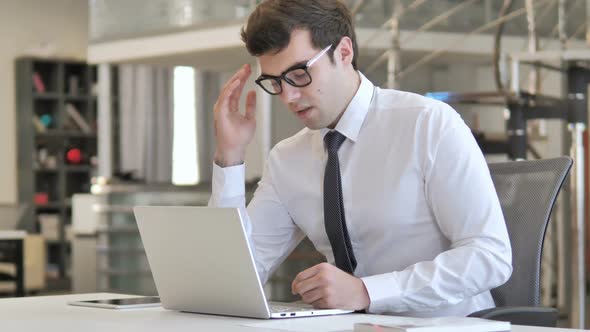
{"x": 122, "y": 303}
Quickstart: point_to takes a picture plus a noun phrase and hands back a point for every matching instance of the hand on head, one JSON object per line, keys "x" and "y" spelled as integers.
{"x": 234, "y": 130}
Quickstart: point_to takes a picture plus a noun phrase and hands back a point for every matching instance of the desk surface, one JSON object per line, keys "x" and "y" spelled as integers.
{"x": 52, "y": 314}
{"x": 12, "y": 235}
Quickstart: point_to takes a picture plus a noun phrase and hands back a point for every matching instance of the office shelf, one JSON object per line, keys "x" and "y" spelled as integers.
{"x": 57, "y": 141}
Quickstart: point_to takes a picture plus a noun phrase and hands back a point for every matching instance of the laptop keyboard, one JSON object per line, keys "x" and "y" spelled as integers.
{"x": 288, "y": 307}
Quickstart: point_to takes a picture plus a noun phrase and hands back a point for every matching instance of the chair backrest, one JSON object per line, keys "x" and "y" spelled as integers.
{"x": 527, "y": 192}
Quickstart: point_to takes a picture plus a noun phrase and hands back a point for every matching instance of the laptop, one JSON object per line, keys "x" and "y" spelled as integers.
{"x": 202, "y": 262}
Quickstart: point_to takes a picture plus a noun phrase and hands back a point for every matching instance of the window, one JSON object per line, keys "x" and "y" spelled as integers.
{"x": 185, "y": 168}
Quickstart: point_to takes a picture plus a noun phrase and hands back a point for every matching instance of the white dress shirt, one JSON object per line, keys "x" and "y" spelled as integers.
{"x": 421, "y": 210}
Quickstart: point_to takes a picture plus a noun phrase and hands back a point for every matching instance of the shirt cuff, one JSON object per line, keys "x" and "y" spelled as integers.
{"x": 384, "y": 293}
{"x": 228, "y": 181}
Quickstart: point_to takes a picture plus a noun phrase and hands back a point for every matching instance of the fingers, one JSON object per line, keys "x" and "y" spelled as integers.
{"x": 326, "y": 286}
{"x": 302, "y": 276}
{"x": 308, "y": 285}
{"x": 312, "y": 296}
{"x": 251, "y": 105}
{"x": 226, "y": 96}
{"x": 311, "y": 290}
{"x": 223, "y": 102}
{"x": 243, "y": 75}
{"x": 237, "y": 74}
{"x": 320, "y": 304}
{"x": 308, "y": 273}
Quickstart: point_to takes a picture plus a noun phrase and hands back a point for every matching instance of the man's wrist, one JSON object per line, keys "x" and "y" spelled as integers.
{"x": 228, "y": 159}
{"x": 366, "y": 297}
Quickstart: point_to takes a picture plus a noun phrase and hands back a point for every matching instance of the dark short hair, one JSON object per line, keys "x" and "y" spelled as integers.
{"x": 269, "y": 27}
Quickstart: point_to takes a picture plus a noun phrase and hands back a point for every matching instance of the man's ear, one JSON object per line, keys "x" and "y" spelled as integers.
{"x": 344, "y": 51}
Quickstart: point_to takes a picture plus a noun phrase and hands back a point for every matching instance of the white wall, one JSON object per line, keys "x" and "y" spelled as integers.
{"x": 26, "y": 25}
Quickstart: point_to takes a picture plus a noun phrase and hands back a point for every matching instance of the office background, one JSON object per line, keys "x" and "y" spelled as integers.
{"x": 143, "y": 77}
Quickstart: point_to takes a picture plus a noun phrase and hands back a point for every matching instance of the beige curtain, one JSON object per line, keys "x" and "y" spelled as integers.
{"x": 146, "y": 122}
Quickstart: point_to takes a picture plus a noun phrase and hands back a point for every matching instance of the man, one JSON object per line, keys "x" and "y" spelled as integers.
{"x": 388, "y": 185}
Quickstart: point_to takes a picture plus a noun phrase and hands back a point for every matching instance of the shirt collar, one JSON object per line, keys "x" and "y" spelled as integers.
{"x": 352, "y": 120}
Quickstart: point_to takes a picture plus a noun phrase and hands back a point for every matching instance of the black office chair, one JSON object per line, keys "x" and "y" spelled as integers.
{"x": 527, "y": 192}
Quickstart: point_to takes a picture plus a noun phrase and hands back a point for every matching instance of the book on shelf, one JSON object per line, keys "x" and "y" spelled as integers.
{"x": 49, "y": 225}
{"x": 443, "y": 324}
{"x": 78, "y": 118}
{"x": 39, "y": 126}
{"x": 73, "y": 85}
{"x": 38, "y": 83}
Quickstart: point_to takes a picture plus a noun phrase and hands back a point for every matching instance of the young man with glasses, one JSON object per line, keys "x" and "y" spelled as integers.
{"x": 388, "y": 185}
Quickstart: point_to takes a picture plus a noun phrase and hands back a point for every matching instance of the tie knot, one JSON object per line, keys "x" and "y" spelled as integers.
{"x": 334, "y": 140}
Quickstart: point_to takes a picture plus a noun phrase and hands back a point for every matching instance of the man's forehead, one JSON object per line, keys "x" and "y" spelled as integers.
{"x": 300, "y": 49}
{"x": 274, "y": 63}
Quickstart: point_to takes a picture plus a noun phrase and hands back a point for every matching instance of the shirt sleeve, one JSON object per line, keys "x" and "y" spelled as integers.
{"x": 465, "y": 205}
{"x": 271, "y": 231}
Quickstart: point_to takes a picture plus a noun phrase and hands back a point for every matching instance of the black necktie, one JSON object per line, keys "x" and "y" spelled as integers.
{"x": 334, "y": 207}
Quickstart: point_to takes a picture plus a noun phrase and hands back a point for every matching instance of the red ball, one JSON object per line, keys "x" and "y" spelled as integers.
{"x": 74, "y": 156}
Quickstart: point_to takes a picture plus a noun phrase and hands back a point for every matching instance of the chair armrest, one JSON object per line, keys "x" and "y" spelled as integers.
{"x": 534, "y": 316}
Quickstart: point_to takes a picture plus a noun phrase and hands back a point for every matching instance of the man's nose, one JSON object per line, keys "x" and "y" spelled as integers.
{"x": 290, "y": 93}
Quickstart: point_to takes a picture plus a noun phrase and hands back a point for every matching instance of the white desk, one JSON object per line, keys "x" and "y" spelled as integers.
{"x": 52, "y": 314}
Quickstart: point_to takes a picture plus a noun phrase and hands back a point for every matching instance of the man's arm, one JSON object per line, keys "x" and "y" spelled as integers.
{"x": 466, "y": 207}
{"x": 272, "y": 232}
{"x": 464, "y": 202}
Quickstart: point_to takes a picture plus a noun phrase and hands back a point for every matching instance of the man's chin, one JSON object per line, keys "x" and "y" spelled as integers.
{"x": 313, "y": 125}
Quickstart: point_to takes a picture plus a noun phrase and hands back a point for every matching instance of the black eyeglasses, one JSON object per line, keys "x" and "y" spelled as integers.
{"x": 297, "y": 76}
